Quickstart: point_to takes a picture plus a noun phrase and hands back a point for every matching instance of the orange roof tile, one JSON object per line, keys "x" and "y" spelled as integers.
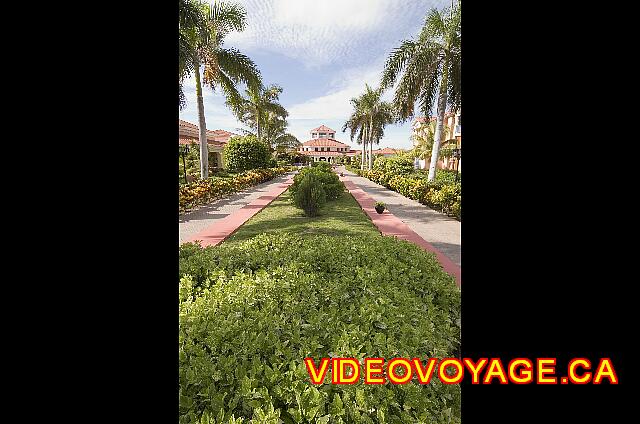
{"x": 187, "y": 130}
{"x": 324, "y": 142}
{"x": 323, "y": 128}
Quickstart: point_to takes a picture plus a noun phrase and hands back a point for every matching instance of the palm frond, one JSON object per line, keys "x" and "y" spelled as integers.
{"x": 238, "y": 67}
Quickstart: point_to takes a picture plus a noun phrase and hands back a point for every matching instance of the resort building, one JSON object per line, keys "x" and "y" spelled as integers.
{"x": 453, "y": 131}
{"x": 216, "y": 140}
{"x": 323, "y": 146}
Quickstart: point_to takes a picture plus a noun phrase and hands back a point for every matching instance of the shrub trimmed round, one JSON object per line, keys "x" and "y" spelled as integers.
{"x": 251, "y": 311}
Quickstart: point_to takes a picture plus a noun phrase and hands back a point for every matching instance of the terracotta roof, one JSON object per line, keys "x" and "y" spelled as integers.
{"x": 323, "y": 128}
{"x": 323, "y": 153}
{"x": 324, "y": 142}
{"x": 187, "y": 130}
{"x": 385, "y": 151}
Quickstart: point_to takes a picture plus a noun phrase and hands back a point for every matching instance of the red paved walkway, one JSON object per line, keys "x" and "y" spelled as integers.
{"x": 390, "y": 225}
{"x": 222, "y": 229}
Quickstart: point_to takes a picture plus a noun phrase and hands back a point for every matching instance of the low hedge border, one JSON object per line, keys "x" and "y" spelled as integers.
{"x": 204, "y": 191}
{"x": 250, "y": 312}
{"x": 443, "y": 196}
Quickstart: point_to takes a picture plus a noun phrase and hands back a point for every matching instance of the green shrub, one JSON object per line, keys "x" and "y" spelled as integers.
{"x": 222, "y": 184}
{"x": 443, "y": 194}
{"x": 331, "y": 183}
{"x": 397, "y": 165}
{"x": 321, "y": 165}
{"x": 251, "y": 311}
{"x": 244, "y": 153}
{"x": 310, "y": 195}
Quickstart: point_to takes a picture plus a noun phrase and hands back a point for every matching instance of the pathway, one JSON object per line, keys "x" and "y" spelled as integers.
{"x": 434, "y": 227}
{"x": 213, "y": 222}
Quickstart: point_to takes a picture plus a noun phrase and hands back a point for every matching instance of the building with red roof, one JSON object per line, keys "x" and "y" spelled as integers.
{"x": 323, "y": 146}
{"x": 188, "y": 134}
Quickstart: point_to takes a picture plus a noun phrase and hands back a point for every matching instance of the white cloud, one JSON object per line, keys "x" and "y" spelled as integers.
{"x": 322, "y": 32}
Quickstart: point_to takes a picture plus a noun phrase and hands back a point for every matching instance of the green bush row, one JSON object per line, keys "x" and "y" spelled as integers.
{"x": 442, "y": 194}
{"x": 250, "y": 312}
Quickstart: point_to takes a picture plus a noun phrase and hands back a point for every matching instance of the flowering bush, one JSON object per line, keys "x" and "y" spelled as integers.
{"x": 443, "y": 194}
{"x": 204, "y": 191}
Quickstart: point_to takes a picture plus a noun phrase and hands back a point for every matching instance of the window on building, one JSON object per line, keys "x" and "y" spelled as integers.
{"x": 322, "y": 135}
{"x": 316, "y": 149}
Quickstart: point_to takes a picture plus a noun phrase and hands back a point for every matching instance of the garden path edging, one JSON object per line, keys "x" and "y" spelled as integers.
{"x": 390, "y": 225}
{"x": 222, "y": 229}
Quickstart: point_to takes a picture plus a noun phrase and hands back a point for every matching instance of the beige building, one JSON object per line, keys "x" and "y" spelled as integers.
{"x": 216, "y": 140}
{"x": 453, "y": 131}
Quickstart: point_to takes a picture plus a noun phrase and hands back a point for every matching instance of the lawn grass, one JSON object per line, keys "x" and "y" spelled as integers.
{"x": 339, "y": 217}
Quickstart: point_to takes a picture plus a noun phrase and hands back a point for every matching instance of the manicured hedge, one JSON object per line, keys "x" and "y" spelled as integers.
{"x": 245, "y": 153}
{"x": 442, "y": 194}
{"x": 204, "y": 191}
{"x": 251, "y": 311}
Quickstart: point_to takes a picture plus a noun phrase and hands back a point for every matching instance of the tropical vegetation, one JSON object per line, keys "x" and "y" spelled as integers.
{"x": 204, "y": 191}
{"x": 427, "y": 71}
{"x": 367, "y": 121}
{"x": 244, "y": 153}
{"x": 443, "y": 193}
{"x": 202, "y": 31}
{"x": 252, "y": 308}
{"x": 261, "y": 111}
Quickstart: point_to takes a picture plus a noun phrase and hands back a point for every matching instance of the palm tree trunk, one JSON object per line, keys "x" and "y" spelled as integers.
{"x": 202, "y": 125}
{"x": 370, "y": 143}
{"x": 258, "y": 123}
{"x": 442, "y": 105}
{"x": 364, "y": 148}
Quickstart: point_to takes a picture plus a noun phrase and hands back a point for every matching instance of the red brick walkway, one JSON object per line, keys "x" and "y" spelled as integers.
{"x": 222, "y": 229}
{"x": 390, "y": 225}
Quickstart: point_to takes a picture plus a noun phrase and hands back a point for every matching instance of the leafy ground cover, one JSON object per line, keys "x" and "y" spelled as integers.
{"x": 203, "y": 191}
{"x": 285, "y": 287}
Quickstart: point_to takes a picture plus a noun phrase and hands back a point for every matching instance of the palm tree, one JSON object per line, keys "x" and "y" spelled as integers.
{"x": 259, "y": 109}
{"x": 431, "y": 72}
{"x": 357, "y": 125}
{"x": 368, "y": 120}
{"x": 191, "y": 20}
{"x": 222, "y": 68}
{"x": 277, "y": 135}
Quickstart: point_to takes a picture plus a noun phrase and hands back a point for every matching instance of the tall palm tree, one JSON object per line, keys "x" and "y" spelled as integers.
{"x": 430, "y": 68}
{"x": 357, "y": 125}
{"x": 259, "y": 109}
{"x": 222, "y": 68}
{"x": 368, "y": 120}
{"x": 191, "y": 20}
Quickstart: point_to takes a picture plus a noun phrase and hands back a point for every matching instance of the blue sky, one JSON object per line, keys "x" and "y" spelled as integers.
{"x": 321, "y": 52}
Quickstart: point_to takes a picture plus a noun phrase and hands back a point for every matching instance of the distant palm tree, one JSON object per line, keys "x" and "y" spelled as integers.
{"x": 368, "y": 120}
{"x": 357, "y": 125}
{"x": 223, "y": 68}
{"x": 423, "y": 142}
{"x": 431, "y": 66}
{"x": 259, "y": 109}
